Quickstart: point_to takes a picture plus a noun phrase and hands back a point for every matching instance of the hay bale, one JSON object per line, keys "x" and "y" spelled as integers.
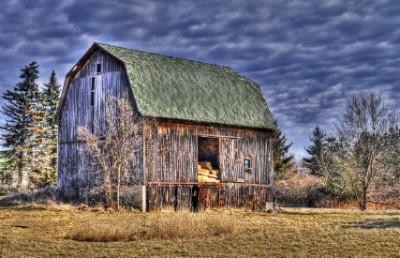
{"x": 202, "y": 178}
{"x": 214, "y": 172}
{"x": 206, "y": 165}
{"x": 203, "y": 170}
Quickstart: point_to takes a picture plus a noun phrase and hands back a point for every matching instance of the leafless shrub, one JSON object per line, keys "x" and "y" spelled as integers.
{"x": 298, "y": 190}
{"x": 113, "y": 145}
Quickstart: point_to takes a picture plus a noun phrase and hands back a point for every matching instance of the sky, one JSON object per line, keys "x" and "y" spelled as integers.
{"x": 307, "y": 56}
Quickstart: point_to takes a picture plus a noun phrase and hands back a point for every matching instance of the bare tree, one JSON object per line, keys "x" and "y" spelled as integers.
{"x": 361, "y": 133}
{"x": 114, "y": 145}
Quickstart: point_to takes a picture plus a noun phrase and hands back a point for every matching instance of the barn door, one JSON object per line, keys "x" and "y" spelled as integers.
{"x": 229, "y": 159}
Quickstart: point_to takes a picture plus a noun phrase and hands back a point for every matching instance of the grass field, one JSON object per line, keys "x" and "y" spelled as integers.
{"x": 32, "y": 231}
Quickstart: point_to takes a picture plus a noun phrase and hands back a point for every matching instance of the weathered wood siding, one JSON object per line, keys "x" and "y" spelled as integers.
{"x": 75, "y": 170}
{"x": 170, "y": 166}
{"x": 171, "y": 153}
{"x": 209, "y": 196}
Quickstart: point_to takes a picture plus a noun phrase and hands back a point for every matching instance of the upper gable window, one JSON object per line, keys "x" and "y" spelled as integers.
{"x": 98, "y": 68}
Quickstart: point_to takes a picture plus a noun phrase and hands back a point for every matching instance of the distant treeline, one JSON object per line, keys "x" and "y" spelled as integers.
{"x": 360, "y": 161}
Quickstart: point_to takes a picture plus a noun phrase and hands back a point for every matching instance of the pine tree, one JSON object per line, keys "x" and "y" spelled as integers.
{"x": 39, "y": 155}
{"x": 316, "y": 151}
{"x": 19, "y": 126}
{"x": 50, "y": 95}
{"x": 283, "y": 161}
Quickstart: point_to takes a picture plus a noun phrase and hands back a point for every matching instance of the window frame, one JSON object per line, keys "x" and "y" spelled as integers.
{"x": 247, "y": 161}
{"x": 92, "y": 101}
{"x": 99, "y": 65}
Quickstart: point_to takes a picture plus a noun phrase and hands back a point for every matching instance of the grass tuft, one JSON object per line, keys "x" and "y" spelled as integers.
{"x": 165, "y": 226}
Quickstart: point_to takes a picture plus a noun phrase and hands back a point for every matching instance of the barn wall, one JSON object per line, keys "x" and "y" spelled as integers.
{"x": 171, "y": 153}
{"x": 170, "y": 167}
{"x": 76, "y": 171}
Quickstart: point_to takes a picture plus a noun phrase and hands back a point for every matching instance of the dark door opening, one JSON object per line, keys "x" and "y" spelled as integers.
{"x": 195, "y": 199}
{"x": 208, "y": 160}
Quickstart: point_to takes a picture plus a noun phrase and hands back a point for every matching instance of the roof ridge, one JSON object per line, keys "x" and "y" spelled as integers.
{"x": 169, "y": 56}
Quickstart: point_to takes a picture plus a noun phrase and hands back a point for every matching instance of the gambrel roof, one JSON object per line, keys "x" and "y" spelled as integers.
{"x": 175, "y": 88}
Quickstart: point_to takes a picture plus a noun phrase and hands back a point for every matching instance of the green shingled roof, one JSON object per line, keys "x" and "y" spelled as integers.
{"x": 174, "y": 88}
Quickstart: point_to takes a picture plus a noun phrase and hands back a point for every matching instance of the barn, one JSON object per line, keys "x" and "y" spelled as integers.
{"x": 209, "y": 142}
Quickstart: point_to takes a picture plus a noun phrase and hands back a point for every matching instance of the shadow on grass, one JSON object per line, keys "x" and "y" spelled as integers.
{"x": 26, "y": 208}
{"x": 377, "y": 224}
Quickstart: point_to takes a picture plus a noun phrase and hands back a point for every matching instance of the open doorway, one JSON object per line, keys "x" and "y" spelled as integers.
{"x": 208, "y": 160}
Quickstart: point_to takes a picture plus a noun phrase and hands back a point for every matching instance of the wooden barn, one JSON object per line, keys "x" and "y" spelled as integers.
{"x": 209, "y": 142}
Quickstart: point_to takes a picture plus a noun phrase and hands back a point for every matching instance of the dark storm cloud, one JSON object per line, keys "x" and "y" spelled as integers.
{"x": 308, "y": 56}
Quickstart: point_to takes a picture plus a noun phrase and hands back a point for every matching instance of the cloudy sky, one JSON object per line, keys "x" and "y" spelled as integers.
{"x": 308, "y": 56}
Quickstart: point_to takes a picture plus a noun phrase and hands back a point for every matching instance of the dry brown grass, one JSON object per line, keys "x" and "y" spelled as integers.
{"x": 384, "y": 204}
{"x": 168, "y": 227}
{"x": 37, "y": 232}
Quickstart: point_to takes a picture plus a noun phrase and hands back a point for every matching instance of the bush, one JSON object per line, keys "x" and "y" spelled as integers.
{"x": 299, "y": 191}
{"x": 40, "y": 195}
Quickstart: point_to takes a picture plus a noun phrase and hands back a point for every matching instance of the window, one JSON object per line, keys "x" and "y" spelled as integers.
{"x": 247, "y": 164}
{"x": 92, "y": 88}
{"x": 98, "y": 68}
{"x": 92, "y": 96}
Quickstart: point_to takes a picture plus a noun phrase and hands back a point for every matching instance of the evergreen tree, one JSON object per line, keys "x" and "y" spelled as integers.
{"x": 19, "y": 127}
{"x": 50, "y": 95}
{"x": 316, "y": 151}
{"x": 38, "y": 157}
{"x": 283, "y": 161}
